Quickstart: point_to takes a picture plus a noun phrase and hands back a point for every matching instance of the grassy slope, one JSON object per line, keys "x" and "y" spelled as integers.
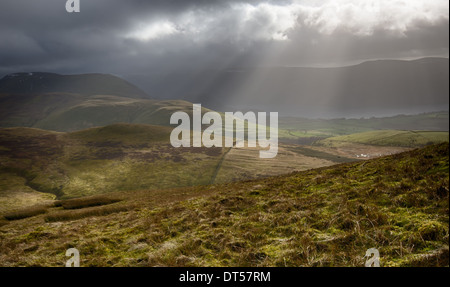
{"x": 388, "y": 138}
{"x": 244, "y": 163}
{"x": 324, "y": 217}
{"x": 98, "y": 160}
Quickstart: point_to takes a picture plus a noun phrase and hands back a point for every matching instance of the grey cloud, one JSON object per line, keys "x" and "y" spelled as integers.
{"x": 205, "y": 34}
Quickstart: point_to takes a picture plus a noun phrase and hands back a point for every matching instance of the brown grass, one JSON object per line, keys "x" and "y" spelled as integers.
{"x": 84, "y": 202}
{"x": 66, "y": 215}
{"x": 25, "y": 213}
{"x": 323, "y": 217}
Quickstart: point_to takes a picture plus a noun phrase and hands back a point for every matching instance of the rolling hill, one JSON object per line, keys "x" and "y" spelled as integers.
{"x": 323, "y": 217}
{"x": 75, "y": 102}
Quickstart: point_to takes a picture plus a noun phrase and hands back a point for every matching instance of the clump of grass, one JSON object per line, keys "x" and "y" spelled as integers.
{"x": 25, "y": 213}
{"x": 438, "y": 257}
{"x": 66, "y": 215}
{"x": 84, "y": 202}
{"x": 432, "y": 230}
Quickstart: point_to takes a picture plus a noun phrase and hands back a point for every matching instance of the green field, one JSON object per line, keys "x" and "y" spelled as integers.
{"x": 388, "y": 138}
{"x": 308, "y": 131}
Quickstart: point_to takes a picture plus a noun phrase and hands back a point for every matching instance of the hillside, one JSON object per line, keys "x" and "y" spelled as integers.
{"x": 73, "y": 112}
{"x": 100, "y": 111}
{"x": 323, "y": 217}
{"x": 369, "y": 88}
{"x": 75, "y": 102}
{"x": 98, "y": 160}
{"x": 37, "y": 165}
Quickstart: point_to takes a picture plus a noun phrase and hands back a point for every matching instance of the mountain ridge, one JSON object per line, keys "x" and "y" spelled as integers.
{"x": 87, "y": 84}
{"x": 369, "y": 88}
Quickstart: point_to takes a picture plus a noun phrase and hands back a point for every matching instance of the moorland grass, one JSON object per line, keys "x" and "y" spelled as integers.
{"x": 78, "y": 203}
{"x": 322, "y": 217}
{"x": 65, "y": 215}
{"x": 26, "y": 212}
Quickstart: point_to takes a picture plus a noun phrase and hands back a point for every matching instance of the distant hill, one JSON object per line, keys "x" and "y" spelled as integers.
{"x": 72, "y": 112}
{"x": 76, "y": 102}
{"x": 85, "y": 84}
{"x": 371, "y": 88}
{"x": 106, "y": 110}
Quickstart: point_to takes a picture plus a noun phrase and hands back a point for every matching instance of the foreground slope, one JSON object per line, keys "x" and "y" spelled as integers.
{"x": 324, "y": 217}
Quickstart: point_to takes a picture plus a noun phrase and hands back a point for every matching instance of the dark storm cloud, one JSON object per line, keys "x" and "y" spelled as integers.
{"x": 148, "y": 37}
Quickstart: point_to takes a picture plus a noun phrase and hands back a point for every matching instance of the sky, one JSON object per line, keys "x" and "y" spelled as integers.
{"x": 138, "y": 36}
{"x": 147, "y": 41}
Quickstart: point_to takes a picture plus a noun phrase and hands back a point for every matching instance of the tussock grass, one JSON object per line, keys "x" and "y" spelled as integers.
{"x": 66, "y": 215}
{"x": 84, "y": 202}
{"x": 25, "y": 213}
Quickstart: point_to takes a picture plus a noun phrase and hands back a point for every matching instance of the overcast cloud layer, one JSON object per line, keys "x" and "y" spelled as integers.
{"x": 140, "y": 37}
